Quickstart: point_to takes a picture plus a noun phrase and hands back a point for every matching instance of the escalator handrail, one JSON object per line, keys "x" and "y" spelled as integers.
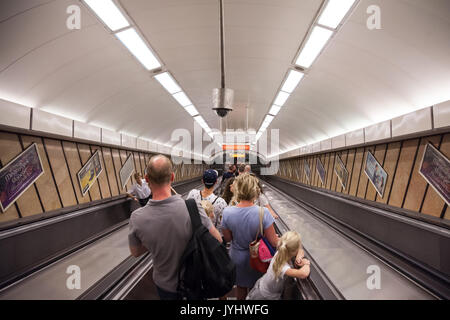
{"x": 317, "y": 279}
{"x": 390, "y": 257}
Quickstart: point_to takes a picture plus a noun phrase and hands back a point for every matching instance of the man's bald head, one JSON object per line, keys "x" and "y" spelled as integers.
{"x": 160, "y": 170}
{"x": 248, "y": 168}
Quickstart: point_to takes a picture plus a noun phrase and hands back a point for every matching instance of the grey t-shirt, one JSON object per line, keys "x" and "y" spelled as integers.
{"x": 164, "y": 228}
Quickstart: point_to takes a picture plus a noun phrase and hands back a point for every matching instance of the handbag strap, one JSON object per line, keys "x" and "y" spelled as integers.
{"x": 260, "y": 229}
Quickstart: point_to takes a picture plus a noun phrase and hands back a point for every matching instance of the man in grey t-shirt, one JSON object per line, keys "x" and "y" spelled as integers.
{"x": 163, "y": 227}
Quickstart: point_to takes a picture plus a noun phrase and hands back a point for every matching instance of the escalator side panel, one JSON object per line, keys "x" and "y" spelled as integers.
{"x": 24, "y": 250}
{"x": 424, "y": 244}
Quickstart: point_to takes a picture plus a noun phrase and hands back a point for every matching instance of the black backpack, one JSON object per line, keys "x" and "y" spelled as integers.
{"x": 208, "y": 270}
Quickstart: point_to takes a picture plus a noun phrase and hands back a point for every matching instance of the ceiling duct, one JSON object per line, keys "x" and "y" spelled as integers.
{"x": 222, "y": 98}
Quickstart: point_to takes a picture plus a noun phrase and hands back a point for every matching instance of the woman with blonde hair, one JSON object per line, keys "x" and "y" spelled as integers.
{"x": 240, "y": 225}
{"x": 270, "y": 286}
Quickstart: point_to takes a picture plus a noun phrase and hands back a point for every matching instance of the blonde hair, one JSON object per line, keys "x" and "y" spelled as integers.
{"x": 209, "y": 209}
{"x": 288, "y": 247}
{"x": 246, "y": 187}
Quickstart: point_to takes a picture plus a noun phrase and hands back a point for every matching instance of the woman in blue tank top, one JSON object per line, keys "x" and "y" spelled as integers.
{"x": 240, "y": 225}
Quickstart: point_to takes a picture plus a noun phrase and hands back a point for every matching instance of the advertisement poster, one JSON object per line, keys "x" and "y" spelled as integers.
{"x": 376, "y": 174}
{"x": 435, "y": 169}
{"x": 19, "y": 174}
{"x": 89, "y": 173}
{"x": 126, "y": 171}
{"x": 320, "y": 171}
{"x": 307, "y": 170}
{"x": 341, "y": 171}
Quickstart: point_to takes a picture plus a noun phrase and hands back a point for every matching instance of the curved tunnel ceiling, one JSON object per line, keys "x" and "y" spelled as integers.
{"x": 361, "y": 78}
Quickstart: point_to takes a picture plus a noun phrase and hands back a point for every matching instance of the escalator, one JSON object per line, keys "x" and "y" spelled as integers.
{"x": 343, "y": 262}
{"x": 92, "y": 241}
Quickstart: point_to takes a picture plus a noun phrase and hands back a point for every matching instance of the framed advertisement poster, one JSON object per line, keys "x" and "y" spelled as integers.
{"x": 90, "y": 172}
{"x": 435, "y": 169}
{"x": 18, "y": 175}
{"x": 341, "y": 171}
{"x": 126, "y": 171}
{"x": 307, "y": 170}
{"x": 320, "y": 170}
{"x": 376, "y": 174}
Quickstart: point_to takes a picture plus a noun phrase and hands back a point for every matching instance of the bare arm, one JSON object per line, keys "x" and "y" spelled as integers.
{"x": 132, "y": 196}
{"x": 215, "y": 233}
{"x": 299, "y": 257}
{"x": 301, "y": 273}
{"x": 227, "y": 235}
{"x": 271, "y": 235}
{"x": 137, "y": 251}
{"x": 274, "y": 215}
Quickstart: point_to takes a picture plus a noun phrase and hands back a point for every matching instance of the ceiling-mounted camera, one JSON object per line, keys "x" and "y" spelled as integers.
{"x": 222, "y": 101}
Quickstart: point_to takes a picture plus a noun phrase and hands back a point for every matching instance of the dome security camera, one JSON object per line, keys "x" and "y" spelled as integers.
{"x": 222, "y": 112}
{"x": 222, "y": 101}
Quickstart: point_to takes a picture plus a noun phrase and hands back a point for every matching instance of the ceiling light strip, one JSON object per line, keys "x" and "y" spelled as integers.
{"x": 168, "y": 82}
{"x": 109, "y": 13}
{"x": 335, "y": 12}
{"x": 329, "y": 19}
{"x": 117, "y": 21}
{"x": 289, "y": 84}
{"x": 134, "y": 43}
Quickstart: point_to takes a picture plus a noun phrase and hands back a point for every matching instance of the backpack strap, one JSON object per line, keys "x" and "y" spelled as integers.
{"x": 191, "y": 205}
{"x": 215, "y": 200}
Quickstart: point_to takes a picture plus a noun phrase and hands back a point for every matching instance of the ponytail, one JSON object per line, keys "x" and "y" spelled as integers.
{"x": 288, "y": 246}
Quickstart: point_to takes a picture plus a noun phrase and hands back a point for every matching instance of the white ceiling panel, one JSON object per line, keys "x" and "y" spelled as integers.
{"x": 364, "y": 77}
{"x": 361, "y": 78}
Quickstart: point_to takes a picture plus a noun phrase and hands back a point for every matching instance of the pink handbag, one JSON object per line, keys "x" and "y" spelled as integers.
{"x": 260, "y": 254}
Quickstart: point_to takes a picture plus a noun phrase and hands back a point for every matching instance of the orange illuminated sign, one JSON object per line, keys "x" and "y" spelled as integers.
{"x": 238, "y": 155}
{"x": 235, "y": 147}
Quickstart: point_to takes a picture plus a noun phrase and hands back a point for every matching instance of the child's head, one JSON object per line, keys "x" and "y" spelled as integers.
{"x": 288, "y": 247}
{"x": 209, "y": 208}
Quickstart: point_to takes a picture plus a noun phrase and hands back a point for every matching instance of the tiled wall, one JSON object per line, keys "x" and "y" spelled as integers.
{"x": 58, "y": 187}
{"x": 405, "y": 187}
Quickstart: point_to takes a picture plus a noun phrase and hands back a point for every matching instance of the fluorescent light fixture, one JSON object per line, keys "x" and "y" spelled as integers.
{"x": 182, "y": 99}
{"x": 334, "y": 12}
{"x": 166, "y": 80}
{"x": 317, "y": 40}
{"x": 292, "y": 81}
{"x": 191, "y": 110}
{"x": 131, "y": 39}
{"x": 201, "y": 122}
{"x": 274, "y": 110}
{"x": 109, "y": 13}
{"x": 267, "y": 121}
{"x": 281, "y": 98}
{"x": 258, "y": 135}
